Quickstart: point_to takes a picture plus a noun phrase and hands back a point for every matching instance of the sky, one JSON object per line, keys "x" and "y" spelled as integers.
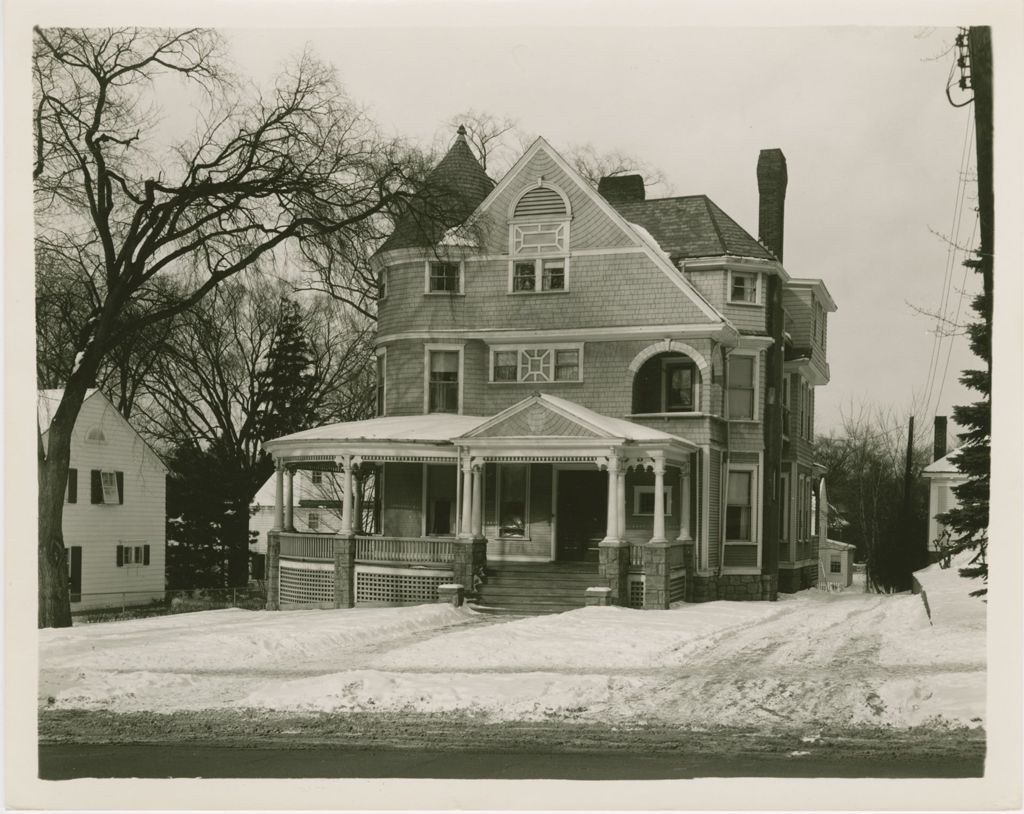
{"x": 873, "y": 147}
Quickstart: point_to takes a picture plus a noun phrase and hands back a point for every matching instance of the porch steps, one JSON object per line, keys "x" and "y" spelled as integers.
{"x": 534, "y": 588}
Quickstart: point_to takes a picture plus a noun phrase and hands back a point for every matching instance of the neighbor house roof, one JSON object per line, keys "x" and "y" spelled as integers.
{"x": 943, "y": 466}
{"x": 48, "y": 401}
{"x": 450, "y": 194}
{"x": 692, "y": 226}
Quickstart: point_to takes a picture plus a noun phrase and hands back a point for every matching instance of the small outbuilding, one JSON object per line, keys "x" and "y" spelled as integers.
{"x": 836, "y": 560}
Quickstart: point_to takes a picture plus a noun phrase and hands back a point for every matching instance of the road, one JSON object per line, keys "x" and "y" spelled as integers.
{"x": 65, "y": 761}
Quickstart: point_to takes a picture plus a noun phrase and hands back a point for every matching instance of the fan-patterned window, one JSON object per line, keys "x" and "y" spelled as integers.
{"x": 540, "y": 201}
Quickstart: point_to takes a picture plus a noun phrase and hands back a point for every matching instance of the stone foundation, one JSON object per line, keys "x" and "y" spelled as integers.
{"x": 736, "y": 587}
{"x": 273, "y": 570}
{"x": 470, "y": 563}
{"x": 613, "y": 567}
{"x": 799, "y": 578}
{"x": 344, "y": 572}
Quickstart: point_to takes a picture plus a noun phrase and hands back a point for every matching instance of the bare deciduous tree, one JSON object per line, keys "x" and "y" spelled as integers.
{"x": 147, "y": 233}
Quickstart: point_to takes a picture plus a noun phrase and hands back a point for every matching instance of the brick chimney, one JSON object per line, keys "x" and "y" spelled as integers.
{"x": 771, "y": 187}
{"x": 618, "y": 189}
{"x": 939, "y": 443}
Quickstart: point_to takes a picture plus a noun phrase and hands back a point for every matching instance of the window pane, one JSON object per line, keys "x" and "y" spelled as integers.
{"x": 741, "y": 371}
{"x": 512, "y": 501}
{"x": 567, "y": 365}
{"x": 536, "y": 365}
{"x": 523, "y": 277}
{"x": 444, "y": 382}
{"x": 553, "y": 275}
{"x": 737, "y": 523}
{"x": 739, "y": 488}
{"x": 744, "y": 287}
{"x": 109, "y": 482}
{"x": 444, "y": 361}
{"x": 645, "y": 502}
{"x": 505, "y": 366}
{"x": 678, "y": 388}
{"x": 444, "y": 277}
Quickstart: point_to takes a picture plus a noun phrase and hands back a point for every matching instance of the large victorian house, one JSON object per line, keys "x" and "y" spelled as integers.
{"x": 577, "y": 388}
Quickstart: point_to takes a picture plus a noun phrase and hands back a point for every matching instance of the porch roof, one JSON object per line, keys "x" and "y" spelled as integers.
{"x": 433, "y": 428}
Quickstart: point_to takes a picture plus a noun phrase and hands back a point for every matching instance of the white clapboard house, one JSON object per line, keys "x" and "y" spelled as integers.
{"x": 115, "y": 507}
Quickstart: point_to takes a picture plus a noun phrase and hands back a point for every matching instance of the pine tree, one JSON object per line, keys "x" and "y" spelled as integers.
{"x": 286, "y": 381}
{"x": 969, "y": 520}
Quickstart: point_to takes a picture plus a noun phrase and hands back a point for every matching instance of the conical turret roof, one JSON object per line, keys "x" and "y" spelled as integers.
{"x": 450, "y": 194}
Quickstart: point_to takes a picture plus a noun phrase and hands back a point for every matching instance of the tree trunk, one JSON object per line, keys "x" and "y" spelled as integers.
{"x": 54, "y": 598}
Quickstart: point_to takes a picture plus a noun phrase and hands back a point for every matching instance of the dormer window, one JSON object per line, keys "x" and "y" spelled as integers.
{"x": 744, "y": 288}
{"x": 539, "y": 242}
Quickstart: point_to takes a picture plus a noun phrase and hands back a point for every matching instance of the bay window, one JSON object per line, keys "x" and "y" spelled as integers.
{"x": 443, "y": 386}
{"x": 744, "y": 288}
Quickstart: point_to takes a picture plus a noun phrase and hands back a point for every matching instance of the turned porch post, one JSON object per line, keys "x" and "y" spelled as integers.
{"x": 357, "y": 506}
{"x": 467, "y": 497}
{"x": 478, "y": 501}
{"x": 659, "y": 501}
{"x": 289, "y": 500}
{"x": 620, "y": 499}
{"x": 346, "y": 496}
{"x": 279, "y": 496}
{"x": 612, "y": 525}
{"x": 684, "y": 502}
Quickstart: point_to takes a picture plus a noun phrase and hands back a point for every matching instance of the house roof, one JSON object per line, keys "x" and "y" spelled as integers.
{"x": 47, "y": 402}
{"x": 692, "y": 226}
{"x": 450, "y": 194}
{"x": 428, "y": 429}
{"x": 943, "y": 466}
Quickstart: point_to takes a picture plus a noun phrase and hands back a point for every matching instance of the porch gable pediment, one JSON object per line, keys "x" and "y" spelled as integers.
{"x": 535, "y": 419}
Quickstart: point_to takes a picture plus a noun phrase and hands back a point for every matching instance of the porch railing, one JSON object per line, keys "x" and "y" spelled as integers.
{"x": 404, "y": 549}
{"x": 307, "y": 546}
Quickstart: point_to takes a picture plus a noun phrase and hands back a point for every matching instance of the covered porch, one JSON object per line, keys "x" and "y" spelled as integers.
{"x": 436, "y": 499}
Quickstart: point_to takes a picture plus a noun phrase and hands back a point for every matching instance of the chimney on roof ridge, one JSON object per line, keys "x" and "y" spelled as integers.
{"x": 618, "y": 189}
{"x": 939, "y": 442}
{"x": 771, "y": 188}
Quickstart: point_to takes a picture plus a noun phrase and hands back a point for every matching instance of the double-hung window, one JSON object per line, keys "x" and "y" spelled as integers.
{"x": 513, "y": 486}
{"x": 741, "y": 547}
{"x": 382, "y": 362}
{"x": 444, "y": 277}
{"x": 742, "y": 386}
{"x": 443, "y": 381}
{"x": 743, "y": 288}
{"x": 536, "y": 364}
{"x": 106, "y": 487}
{"x": 539, "y": 242}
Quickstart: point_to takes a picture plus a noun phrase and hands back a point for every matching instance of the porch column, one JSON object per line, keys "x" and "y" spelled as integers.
{"x": 684, "y": 503}
{"x": 612, "y": 526}
{"x": 357, "y": 506}
{"x": 478, "y": 501}
{"x": 620, "y": 499}
{"x": 467, "y": 497}
{"x": 659, "y": 500}
{"x": 346, "y": 496}
{"x": 289, "y": 500}
{"x": 279, "y": 496}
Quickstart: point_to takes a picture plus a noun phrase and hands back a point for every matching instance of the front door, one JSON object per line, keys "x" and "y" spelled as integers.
{"x": 581, "y": 511}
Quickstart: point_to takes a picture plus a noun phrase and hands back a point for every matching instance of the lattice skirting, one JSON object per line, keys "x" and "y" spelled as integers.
{"x": 636, "y": 592}
{"x": 398, "y": 586}
{"x": 307, "y": 583}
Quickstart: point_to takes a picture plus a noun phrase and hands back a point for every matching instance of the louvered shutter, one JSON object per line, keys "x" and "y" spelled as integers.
{"x": 120, "y": 555}
{"x": 76, "y": 573}
{"x": 145, "y": 554}
{"x": 120, "y": 487}
{"x": 72, "y": 486}
{"x": 96, "y": 487}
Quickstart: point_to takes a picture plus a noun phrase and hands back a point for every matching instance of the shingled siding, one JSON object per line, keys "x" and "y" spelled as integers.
{"x": 640, "y": 528}
{"x": 799, "y": 304}
{"x": 714, "y": 508}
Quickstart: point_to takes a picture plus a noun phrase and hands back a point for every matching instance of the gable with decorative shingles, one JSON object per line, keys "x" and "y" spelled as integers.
{"x": 535, "y": 421}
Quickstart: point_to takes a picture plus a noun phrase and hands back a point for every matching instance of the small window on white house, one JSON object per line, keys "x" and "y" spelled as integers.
{"x": 835, "y": 566}
{"x": 108, "y": 483}
{"x": 316, "y": 477}
{"x": 313, "y": 521}
{"x": 443, "y": 278}
{"x": 743, "y": 287}
{"x": 96, "y": 434}
{"x": 643, "y": 501}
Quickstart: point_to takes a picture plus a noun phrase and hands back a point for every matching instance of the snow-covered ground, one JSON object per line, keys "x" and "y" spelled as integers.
{"x": 814, "y": 659}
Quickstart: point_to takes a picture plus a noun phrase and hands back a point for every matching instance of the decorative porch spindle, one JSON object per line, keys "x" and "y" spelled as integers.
{"x": 289, "y": 500}
{"x": 478, "y": 500}
{"x": 612, "y": 530}
{"x": 467, "y": 498}
{"x": 659, "y": 501}
{"x": 279, "y": 496}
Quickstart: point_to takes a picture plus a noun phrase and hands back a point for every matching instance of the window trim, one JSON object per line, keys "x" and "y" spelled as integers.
{"x": 758, "y": 285}
{"x": 534, "y": 218}
{"x": 493, "y": 350}
{"x": 428, "y": 292}
{"x": 382, "y": 284}
{"x": 429, "y": 348}
{"x": 756, "y": 384}
{"x": 649, "y": 490}
{"x": 755, "y": 516}
{"x": 695, "y": 382}
{"x": 538, "y": 273}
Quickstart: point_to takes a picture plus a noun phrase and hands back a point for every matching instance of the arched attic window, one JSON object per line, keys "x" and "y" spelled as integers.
{"x": 539, "y": 241}
{"x": 667, "y": 383}
{"x": 96, "y": 434}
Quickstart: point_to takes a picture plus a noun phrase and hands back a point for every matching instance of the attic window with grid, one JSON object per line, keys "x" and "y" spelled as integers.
{"x": 539, "y": 242}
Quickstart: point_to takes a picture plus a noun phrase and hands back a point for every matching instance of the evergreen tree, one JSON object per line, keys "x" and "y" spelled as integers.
{"x": 969, "y": 520}
{"x": 287, "y": 381}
